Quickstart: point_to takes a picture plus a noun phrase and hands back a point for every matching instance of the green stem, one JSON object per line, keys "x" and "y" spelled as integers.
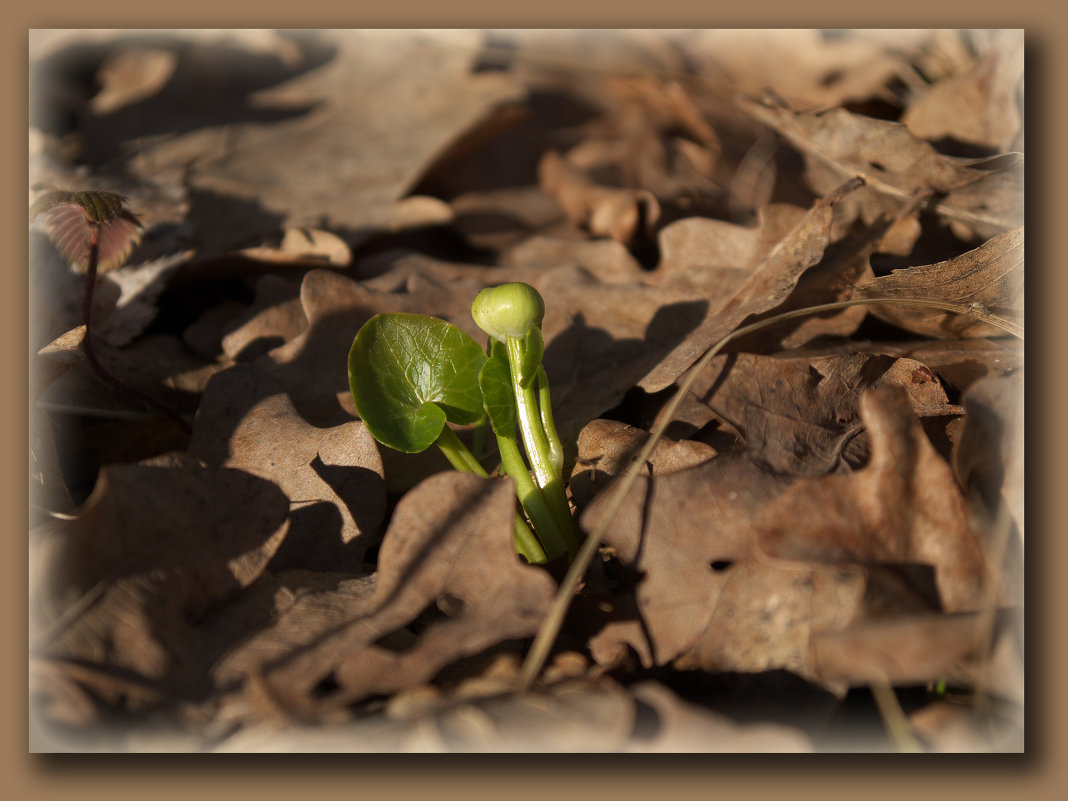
{"x": 537, "y": 447}
{"x": 545, "y": 525}
{"x": 526, "y": 544}
{"x": 556, "y": 447}
{"x": 458, "y": 454}
{"x": 478, "y": 441}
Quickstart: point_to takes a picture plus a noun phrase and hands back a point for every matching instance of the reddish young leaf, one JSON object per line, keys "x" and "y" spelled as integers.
{"x": 70, "y": 217}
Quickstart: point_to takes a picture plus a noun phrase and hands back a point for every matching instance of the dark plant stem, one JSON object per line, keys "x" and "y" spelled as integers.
{"x": 90, "y": 352}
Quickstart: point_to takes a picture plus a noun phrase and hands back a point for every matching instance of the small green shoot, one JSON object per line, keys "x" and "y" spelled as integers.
{"x": 512, "y": 314}
{"x": 94, "y": 232}
{"x": 411, "y": 375}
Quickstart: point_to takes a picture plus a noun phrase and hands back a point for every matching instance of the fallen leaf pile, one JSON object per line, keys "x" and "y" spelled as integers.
{"x": 829, "y": 537}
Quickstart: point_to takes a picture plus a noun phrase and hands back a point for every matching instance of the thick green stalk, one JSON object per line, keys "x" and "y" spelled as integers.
{"x": 458, "y": 454}
{"x": 556, "y": 447}
{"x": 462, "y": 459}
{"x": 536, "y": 443}
{"x": 548, "y": 531}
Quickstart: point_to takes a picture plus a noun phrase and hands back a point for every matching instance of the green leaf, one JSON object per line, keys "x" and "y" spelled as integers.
{"x": 409, "y": 374}
{"x": 498, "y": 396}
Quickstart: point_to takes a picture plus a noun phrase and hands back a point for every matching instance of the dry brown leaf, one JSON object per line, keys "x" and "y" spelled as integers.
{"x": 601, "y": 338}
{"x": 903, "y": 650}
{"x": 306, "y": 248}
{"x": 798, "y": 417}
{"x": 569, "y": 717}
{"x": 708, "y": 599}
{"x": 275, "y": 317}
{"x": 376, "y": 115}
{"x": 716, "y": 257}
{"x": 809, "y": 68}
{"x": 448, "y": 550}
{"x": 674, "y": 528}
{"x": 622, "y": 214}
{"x": 902, "y": 507}
{"x": 958, "y": 363}
{"x": 500, "y": 218}
{"x": 948, "y": 727}
{"x": 159, "y": 365}
{"x": 606, "y": 447}
{"x": 608, "y": 260}
{"x": 768, "y": 284}
{"x": 286, "y": 611}
{"x": 151, "y": 551}
{"x": 333, "y": 477}
{"x": 989, "y": 279}
{"x": 686, "y": 728}
{"x": 129, "y": 74}
{"x": 896, "y": 167}
{"x": 979, "y": 106}
{"x": 989, "y": 459}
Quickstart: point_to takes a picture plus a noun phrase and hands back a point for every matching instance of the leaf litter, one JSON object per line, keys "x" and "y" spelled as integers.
{"x": 835, "y": 507}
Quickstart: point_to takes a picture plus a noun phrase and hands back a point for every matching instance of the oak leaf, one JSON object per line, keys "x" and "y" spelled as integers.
{"x": 333, "y": 476}
{"x": 448, "y": 553}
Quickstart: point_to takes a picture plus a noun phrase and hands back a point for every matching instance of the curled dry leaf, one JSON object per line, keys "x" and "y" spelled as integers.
{"x": 902, "y": 507}
{"x": 980, "y": 106}
{"x": 769, "y": 282}
{"x": 275, "y": 317}
{"x": 129, "y": 74}
{"x": 895, "y": 166}
{"x": 447, "y": 554}
{"x": 333, "y": 476}
{"x": 799, "y": 416}
{"x": 304, "y": 248}
{"x": 606, "y": 448}
{"x": 622, "y": 214}
{"x": 716, "y": 256}
{"x": 150, "y": 553}
{"x": 989, "y": 279}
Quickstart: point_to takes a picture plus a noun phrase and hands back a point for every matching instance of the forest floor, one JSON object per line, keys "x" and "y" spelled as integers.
{"x": 822, "y": 547}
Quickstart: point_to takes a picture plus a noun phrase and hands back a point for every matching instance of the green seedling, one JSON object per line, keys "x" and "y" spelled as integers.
{"x": 94, "y": 232}
{"x": 412, "y": 375}
{"x": 512, "y": 314}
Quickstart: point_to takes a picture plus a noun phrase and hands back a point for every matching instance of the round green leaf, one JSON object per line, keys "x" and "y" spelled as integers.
{"x": 409, "y": 374}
